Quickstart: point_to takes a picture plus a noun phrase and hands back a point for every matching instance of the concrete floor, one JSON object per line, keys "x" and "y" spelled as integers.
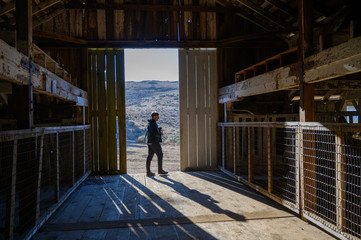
{"x": 181, "y": 205}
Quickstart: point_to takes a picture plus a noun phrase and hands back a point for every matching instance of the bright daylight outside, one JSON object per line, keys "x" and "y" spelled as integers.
{"x": 152, "y": 84}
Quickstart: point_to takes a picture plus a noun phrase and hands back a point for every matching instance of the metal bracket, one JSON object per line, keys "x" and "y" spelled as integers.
{"x": 30, "y": 65}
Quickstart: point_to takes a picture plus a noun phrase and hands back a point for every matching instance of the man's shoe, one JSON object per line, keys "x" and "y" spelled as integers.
{"x": 162, "y": 172}
{"x": 150, "y": 174}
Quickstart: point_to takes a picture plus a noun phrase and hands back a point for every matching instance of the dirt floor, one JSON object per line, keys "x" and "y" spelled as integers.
{"x": 137, "y": 155}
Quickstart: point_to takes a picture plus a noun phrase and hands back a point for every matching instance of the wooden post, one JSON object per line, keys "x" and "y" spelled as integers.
{"x": 40, "y": 170}
{"x": 111, "y": 112}
{"x": 250, "y": 153}
{"x": 223, "y": 148}
{"x": 103, "y": 140}
{"x": 57, "y": 171}
{"x": 269, "y": 160}
{"x": 307, "y": 113}
{"x": 24, "y": 44}
{"x": 73, "y": 156}
{"x": 340, "y": 181}
{"x": 10, "y": 209}
{"x": 84, "y": 152}
{"x": 234, "y": 151}
{"x": 94, "y": 112}
{"x": 120, "y": 84}
{"x": 237, "y": 151}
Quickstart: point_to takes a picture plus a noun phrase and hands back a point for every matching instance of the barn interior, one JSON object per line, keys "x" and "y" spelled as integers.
{"x": 269, "y": 97}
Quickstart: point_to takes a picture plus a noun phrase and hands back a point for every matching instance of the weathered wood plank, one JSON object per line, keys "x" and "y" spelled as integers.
{"x": 183, "y": 96}
{"x": 200, "y": 107}
{"x": 103, "y": 128}
{"x": 334, "y": 62}
{"x": 118, "y": 21}
{"x": 111, "y": 112}
{"x": 120, "y": 85}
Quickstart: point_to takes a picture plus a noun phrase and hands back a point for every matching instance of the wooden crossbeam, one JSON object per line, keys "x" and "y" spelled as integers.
{"x": 259, "y": 10}
{"x": 149, "y": 7}
{"x": 283, "y": 7}
{"x": 332, "y": 63}
{"x": 46, "y": 82}
{"x": 48, "y": 17}
{"x": 8, "y": 7}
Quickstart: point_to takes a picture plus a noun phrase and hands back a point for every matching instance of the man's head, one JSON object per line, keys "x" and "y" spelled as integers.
{"x": 155, "y": 116}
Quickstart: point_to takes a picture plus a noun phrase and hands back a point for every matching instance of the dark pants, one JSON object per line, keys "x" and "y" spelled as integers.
{"x": 157, "y": 149}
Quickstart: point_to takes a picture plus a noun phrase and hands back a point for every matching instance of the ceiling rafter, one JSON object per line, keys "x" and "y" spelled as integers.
{"x": 247, "y": 16}
{"x": 262, "y": 12}
{"x": 283, "y": 7}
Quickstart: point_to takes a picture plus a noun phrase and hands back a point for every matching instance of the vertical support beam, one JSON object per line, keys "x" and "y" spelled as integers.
{"x": 340, "y": 181}
{"x": 237, "y": 153}
{"x": 269, "y": 160}
{"x": 120, "y": 84}
{"x": 73, "y": 157}
{"x": 103, "y": 140}
{"x": 84, "y": 153}
{"x": 305, "y": 42}
{"x": 234, "y": 150}
{"x": 10, "y": 209}
{"x": 225, "y": 112}
{"x": 24, "y": 44}
{"x": 307, "y": 113}
{"x": 94, "y": 110}
{"x": 57, "y": 171}
{"x": 250, "y": 153}
{"x": 111, "y": 112}
{"x": 24, "y": 31}
{"x": 223, "y": 148}
{"x": 40, "y": 170}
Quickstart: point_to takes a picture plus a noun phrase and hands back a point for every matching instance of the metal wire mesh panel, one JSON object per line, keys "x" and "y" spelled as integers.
{"x": 87, "y": 150}
{"x": 260, "y": 170}
{"x": 26, "y": 187}
{"x": 284, "y": 164}
{"x": 48, "y": 174}
{"x": 242, "y": 163}
{"x": 352, "y": 192}
{"x": 66, "y": 162}
{"x": 37, "y": 173}
{"x": 79, "y": 154}
{"x": 6, "y": 159}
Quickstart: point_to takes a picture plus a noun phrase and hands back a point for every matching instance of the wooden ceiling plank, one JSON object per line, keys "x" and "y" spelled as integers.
{"x": 48, "y": 17}
{"x": 148, "y": 7}
{"x": 8, "y": 7}
{"x": 44, "y": 5}
{"x": 259, "y": 10}
{"x": 283, "y": 7}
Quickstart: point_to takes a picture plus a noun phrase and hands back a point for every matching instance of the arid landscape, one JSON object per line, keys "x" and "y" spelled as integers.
{"x": 141, "y": 99}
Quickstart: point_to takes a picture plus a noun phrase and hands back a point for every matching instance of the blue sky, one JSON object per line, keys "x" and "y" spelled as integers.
{"x": 151, "y": 64}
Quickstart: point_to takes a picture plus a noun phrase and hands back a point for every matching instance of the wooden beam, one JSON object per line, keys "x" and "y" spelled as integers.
{"x": 338, "y": 61}
{"x": 58, "y": 37}
{"x": 48, "y": 17}
{"x": 283, "y": 7}
{"x": 8, "y": 7}
{"x": 24, "y": 37}
{"x": 307, "y": 114}
{"x": 44, "y": 5}
{"x": 259, "y": 10}
{"x": 45, "y": 81}
{"x": 149, "y": 7}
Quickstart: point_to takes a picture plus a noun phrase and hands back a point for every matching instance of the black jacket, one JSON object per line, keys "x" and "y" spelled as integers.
{"x": 153, "y": 132}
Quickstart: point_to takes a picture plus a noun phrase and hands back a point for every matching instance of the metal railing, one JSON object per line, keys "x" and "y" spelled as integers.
{"x": 39, "y": 169}
{"x": 313, "y": 169}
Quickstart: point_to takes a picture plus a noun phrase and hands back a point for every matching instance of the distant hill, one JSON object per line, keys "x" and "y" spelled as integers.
{"x": 144, "y": 97}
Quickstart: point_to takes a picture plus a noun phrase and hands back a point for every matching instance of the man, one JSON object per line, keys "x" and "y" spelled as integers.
{"x": 154, "y": 139}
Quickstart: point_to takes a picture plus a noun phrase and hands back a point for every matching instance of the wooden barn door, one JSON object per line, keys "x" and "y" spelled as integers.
{"x": 107, "y": 110}
{"x": 198, "y": 102}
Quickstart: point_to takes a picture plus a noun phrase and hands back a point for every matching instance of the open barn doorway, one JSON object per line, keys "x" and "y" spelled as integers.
{"x": 151, "y": 84}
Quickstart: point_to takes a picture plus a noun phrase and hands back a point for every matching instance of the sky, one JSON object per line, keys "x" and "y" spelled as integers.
{"x": 151, "y": 64}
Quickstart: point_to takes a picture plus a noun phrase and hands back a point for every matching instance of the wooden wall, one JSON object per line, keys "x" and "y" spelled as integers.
{"x": 109, "y": 24}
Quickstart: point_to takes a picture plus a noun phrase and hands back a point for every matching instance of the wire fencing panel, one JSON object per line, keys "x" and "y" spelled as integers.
{"x": 312, "y": 167}
{"x": 37, "y": 173}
